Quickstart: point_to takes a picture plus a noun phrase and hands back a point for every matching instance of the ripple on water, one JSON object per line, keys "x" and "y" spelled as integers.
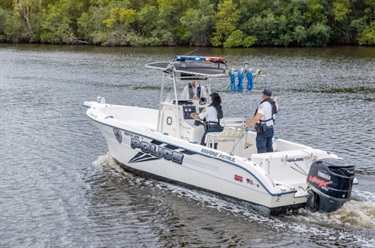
{"x": 53, "y": 196}
{"x": 354, "y": 222}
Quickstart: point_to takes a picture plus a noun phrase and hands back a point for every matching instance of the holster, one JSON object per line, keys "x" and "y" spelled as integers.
{"x": 205, "y": 124}
{"x": 260, "y": 128}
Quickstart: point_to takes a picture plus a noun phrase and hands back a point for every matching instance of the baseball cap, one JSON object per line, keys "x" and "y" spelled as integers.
{"x": 213, "y": 95}
{"x": 267, "y": 92}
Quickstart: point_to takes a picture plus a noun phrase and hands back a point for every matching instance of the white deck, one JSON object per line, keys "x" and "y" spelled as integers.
{"x": 286, "y": 166}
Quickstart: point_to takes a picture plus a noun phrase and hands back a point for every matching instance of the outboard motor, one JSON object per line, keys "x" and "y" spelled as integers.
{"x": 331, "y": 182}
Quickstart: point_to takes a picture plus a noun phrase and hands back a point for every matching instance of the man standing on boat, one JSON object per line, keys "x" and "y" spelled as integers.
{"x": 264, "y": 120}
{"x": 212, "y": 116}
{"x": 194, "y": 91}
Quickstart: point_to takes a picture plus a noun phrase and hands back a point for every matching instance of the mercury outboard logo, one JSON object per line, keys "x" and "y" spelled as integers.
{"x": 156, "y": 151}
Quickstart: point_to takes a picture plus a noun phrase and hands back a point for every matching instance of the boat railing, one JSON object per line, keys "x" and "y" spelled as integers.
{"x": 233, "y": 132}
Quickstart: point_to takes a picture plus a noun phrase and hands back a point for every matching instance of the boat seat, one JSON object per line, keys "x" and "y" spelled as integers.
{"x": 233, "y": 129}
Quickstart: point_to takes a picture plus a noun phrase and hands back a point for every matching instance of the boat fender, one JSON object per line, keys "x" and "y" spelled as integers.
{"x": 232, "y": 85}
{"x": 240, "y": 76}
{"x": 250, "y": 79}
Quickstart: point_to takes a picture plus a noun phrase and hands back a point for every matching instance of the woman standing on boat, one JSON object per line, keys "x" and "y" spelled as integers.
{"x": 211, "y": 115}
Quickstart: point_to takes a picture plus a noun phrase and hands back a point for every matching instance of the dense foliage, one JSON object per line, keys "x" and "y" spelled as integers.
{"x": 220, "y": 23}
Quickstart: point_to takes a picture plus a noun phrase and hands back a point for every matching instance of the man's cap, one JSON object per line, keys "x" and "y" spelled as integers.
{"x": 267, "y": 92}
{"x": 213, "y": 95}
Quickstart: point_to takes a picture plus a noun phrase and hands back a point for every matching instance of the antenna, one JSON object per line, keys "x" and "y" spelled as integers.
{"x": 191, "y": 52}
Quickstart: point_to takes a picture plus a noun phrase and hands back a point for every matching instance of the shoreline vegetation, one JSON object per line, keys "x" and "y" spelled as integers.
{"x": 207, "y": 23}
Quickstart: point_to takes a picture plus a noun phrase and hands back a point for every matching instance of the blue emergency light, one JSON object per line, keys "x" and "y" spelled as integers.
{"x": 200, "y": 58}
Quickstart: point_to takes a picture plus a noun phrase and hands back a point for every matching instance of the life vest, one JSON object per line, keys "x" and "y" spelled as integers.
{"x": 232, "y": 85}
{"x": 241, "y": 76}
{"x": 191, "y": 91}
{"x": 274, "y": 109}
{"x": 220, "y": 114}
{"x": 250, "y": 79}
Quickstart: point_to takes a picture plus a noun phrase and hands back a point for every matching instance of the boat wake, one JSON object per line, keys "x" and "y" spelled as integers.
{"x": 354, "y": 222}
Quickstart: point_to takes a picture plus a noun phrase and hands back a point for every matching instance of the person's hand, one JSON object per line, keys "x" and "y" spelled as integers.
{"x": 195, "y": 98}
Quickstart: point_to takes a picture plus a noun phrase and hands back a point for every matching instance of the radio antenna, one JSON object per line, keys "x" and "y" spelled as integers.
{"x": 191, "y": 52}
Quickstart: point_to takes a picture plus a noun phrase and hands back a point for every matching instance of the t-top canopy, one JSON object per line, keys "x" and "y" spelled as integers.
{"x": 186, "y": 70}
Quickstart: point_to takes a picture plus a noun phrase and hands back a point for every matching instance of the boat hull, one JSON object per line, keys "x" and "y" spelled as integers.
{"x": 154, "y": 155}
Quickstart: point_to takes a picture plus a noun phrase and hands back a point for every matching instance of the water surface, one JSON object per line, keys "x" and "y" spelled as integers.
{"x": 60, "y": 188}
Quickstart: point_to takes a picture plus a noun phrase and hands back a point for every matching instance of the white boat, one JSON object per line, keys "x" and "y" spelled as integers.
{"x": 163, "y": 144}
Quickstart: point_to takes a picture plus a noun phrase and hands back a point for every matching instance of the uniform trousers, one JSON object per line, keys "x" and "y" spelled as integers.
{"x": 264, "y": 141}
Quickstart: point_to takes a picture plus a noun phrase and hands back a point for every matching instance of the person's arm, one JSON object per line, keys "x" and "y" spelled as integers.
{"x": 185, "y": 93}
{"x": 195, "y": 116}
{"x": 203, "y": 92}
{"x": 276, "y": 100}
{"x": 200, "y": 116}
{"x": 254, "y": 120}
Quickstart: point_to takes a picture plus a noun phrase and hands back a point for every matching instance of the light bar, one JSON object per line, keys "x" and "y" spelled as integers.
{"x": 200, "y": 58}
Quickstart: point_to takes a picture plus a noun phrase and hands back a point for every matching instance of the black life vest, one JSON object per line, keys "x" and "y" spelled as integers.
{"x": 191, "y": 91}
{"x": 219, "y": 111}
{"x": 274, "y": 109}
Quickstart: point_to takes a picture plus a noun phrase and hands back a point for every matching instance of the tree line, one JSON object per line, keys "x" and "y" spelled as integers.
{"x": 218, "y": 23}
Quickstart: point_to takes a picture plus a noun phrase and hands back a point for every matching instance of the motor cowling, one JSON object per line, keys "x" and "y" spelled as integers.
{"x": 331, "y": 182}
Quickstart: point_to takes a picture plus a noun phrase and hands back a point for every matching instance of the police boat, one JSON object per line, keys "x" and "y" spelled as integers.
{"x": 164, "y": 144}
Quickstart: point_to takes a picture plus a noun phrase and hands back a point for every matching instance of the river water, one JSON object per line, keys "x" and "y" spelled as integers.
{"x": 60, "y": 188}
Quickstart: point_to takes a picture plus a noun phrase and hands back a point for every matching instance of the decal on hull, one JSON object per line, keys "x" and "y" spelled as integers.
{"x": 117, "y": 134}
{"x": 152, "y": 151}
